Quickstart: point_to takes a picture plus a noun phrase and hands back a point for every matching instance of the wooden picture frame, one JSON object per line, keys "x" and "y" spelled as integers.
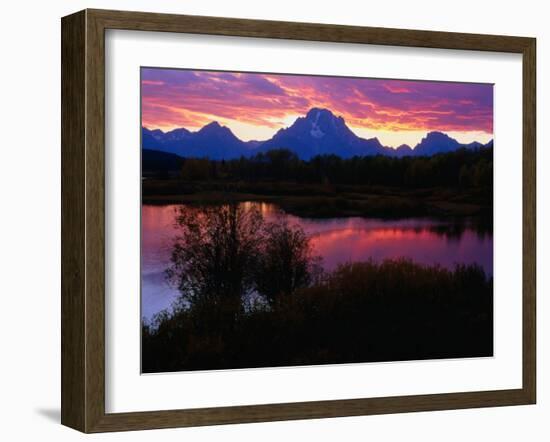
{"x": 83, "y": 220}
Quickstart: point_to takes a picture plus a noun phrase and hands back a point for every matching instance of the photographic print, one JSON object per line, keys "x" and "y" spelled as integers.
{"x": 292, "y": 220}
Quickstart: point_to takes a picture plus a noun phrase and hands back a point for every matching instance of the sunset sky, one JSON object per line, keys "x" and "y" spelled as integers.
{"x": 255, "y": 106}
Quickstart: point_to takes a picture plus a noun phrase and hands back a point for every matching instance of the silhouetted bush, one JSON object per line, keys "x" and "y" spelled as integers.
{"x": 224, "y": 253}
{"x": 214, "y": 256}
{"x": 286, "y": 261}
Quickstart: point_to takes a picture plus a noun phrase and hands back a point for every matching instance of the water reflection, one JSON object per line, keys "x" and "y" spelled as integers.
{"x": 337, "y": 240}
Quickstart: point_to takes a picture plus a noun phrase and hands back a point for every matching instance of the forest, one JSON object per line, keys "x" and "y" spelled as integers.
{"x": 455, "y": 184}
{"x": 461, "y": 168}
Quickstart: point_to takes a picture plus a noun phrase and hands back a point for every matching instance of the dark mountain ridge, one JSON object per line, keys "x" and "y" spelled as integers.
{"x": 319, "y": 132}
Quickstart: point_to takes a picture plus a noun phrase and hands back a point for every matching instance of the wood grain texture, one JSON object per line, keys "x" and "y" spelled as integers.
{"x": 529, "y": 220}
{"x": 73, "y": 254}
{"x": 95, "y": 222}
{"x": 83, "y": 220}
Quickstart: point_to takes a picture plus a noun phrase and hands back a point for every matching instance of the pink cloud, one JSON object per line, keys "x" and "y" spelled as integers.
{"x": 186, "y": 98}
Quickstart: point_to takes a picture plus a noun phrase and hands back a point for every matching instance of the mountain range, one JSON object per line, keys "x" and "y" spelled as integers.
{"x": 318, "y": 132}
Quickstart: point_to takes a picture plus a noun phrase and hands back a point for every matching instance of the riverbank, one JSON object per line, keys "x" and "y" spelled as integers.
{"x": 319, "y": 201}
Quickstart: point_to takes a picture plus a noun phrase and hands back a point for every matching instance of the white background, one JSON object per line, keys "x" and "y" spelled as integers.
{"x": 30, "y": 233}
{"x": 128, "y": 391}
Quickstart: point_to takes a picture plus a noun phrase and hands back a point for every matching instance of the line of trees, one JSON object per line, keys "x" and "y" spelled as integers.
{"x": 461, "y": 168}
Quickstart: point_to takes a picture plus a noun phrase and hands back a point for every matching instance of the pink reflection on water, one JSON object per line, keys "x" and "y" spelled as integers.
{"x": 424, "y": 246}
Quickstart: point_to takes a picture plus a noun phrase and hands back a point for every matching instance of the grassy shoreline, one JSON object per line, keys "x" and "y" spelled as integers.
{"x": 318, "y": 201}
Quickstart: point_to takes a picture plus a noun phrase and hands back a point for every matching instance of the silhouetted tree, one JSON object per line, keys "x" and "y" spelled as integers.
{"x": 286, "y": 262}
{"x": 214, "y": 255}
{"x": 223, "y": 253}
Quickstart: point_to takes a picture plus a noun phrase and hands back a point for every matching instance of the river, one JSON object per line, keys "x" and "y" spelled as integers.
{"x": 337, "y": 240}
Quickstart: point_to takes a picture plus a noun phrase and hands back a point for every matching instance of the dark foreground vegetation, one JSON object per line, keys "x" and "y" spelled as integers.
{"x": 459, "y": 183}
{"x": 362, "y": 312}
{"x": 253, "y": 294}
